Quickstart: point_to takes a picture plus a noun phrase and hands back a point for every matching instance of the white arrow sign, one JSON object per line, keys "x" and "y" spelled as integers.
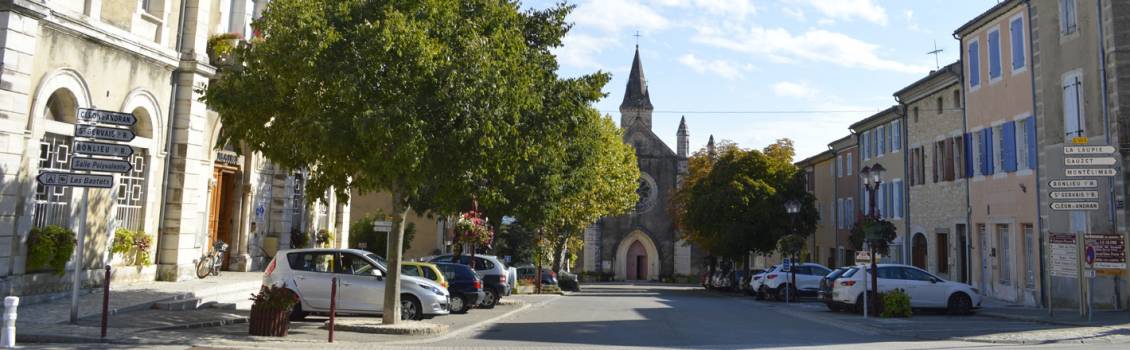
{"x": 75, "y": 180}
{"x": 1074, "y": 183}
{"x": 1075, "y": 206}
{"x": 1075, "y": 194}
{"x": 1089, "y": 161}
{"x": 106, "y": 117}
{"x": 103, "y": 165}
{"x": 1089, "y": 172}
{"x": 102, "y": 133}
{"x": 102, "y": 149}
{"x": 1089, "y": 149}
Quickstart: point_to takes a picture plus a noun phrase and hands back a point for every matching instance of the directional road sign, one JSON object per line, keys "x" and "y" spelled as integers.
{"x": 1074, "y": 183}
{"x": 49, "y": 178}
{"x": 1075, "y": 194}
{"x": 1089, "y": 161}
{"x": 1089, "y": 150}
{"x": 1090, "y": 172}
{"x": 103, "y": 165}
{"x": 102, "y": 133}
{"x": 102, "y": 149}
{"x": 1075, "y": 206}
{"x": 99, "y": 116}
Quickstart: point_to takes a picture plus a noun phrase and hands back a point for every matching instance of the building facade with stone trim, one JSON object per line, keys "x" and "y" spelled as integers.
{"x": 819, "y": 174}
{"x": 848, "y": 204}
{"x": 882, "y": 138}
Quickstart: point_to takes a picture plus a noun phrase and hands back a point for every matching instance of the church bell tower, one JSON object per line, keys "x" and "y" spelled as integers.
{"x": 636, "y": 107}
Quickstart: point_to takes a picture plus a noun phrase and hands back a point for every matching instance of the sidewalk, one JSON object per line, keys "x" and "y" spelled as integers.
{"x": 1067, "y": 317}
{"x": 49, "y": 322}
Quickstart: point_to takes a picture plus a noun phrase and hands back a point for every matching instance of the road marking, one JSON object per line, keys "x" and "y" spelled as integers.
{"x": 473, "y": 326}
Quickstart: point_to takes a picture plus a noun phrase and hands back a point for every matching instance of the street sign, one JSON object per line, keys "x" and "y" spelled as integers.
{"x": 1075, "y": 206}
{"x": 786, "y": 265}
{"x": 102, "y": 149}
{"x": 382, "y": 226}
{"x": 75, "y": 180}
{"x": 862, "y": 257}
{"x": 1075, "y": 194}
{"x": 103, "y": 165}
{"x": 1080, "y": 140}
{"x": 1065, "y": 257}
{"x": 1090, "y": 172}
{"x": 102, "y": 133}
{"x": 1089, "y": 150}
{"x": 99, "y": 116}
{"x": 1105, "y": 251}
{"x": 1074, "y": 183}
{"x": 1089, "y": 161}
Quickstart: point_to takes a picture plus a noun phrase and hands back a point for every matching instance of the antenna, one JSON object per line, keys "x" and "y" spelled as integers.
{"x": 936, "y": 51}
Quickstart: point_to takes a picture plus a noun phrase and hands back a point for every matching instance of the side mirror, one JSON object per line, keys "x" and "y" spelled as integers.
{"x": 934, "y": 280}
{"x": 377, "y": 273}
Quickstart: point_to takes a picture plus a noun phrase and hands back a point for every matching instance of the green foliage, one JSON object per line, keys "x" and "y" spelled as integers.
{"x": 325, "y": 237}
{"x": 896, "y": 303}
{"x": 133, "y": 246}
{"x": 274, "y": 298}
{"x": 361, "y": 233}
{"x": 221, "y": 45}
{"x": 516, "y": 240}
{"x": 123, "y": 241}
{"x": 50, "y": 247}
{"x": 883, "y": 230}
{"x": 299, "y": 239}
{"x": 791, "y": 245}
{"x": 142, "y": 242}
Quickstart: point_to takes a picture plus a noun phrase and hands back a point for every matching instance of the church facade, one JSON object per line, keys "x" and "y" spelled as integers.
{"x": 644, "y": 244}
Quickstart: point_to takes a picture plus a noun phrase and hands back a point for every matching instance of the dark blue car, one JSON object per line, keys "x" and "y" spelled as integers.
{"x": 464, "y": 284}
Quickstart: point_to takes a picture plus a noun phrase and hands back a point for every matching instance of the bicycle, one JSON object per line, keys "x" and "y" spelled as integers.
{"x": 210, "y": 264}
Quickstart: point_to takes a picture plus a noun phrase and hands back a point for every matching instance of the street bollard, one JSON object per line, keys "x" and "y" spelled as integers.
{"x": 105, "y": 301}
{"x": 8, "y": 336}
{"x": 333, "y": 307}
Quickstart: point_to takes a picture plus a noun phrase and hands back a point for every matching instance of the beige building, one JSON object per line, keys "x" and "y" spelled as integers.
{"x": 432, "y": 234}
{"x": 935, "y": 173}
{"x": 144, "y": 58}
{"x": 881, "y": 141}
{"x": 1001, "y": 142}
{"x": 847, "y": 191}
{"x": 819, "y": 178}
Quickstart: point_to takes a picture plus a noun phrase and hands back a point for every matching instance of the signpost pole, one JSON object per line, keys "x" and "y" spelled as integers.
{"x": 76, "y": 279}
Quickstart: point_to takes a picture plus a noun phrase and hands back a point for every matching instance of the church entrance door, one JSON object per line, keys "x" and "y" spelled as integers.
{"x": 637, "y": 262}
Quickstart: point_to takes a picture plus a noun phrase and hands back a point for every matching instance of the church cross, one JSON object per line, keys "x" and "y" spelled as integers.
{"x": 637, "y": 35}
{"x": 936, "y": 51}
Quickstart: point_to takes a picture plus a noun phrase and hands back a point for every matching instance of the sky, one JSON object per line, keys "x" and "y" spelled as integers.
{"x": 753, "y": 71}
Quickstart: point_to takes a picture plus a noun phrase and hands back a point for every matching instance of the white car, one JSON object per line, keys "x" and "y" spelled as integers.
{"x": 925, "y": 289}
{"x": 758, "y": 280}
{"x": 309, "y": 274}
{"x": 778, "y": 281}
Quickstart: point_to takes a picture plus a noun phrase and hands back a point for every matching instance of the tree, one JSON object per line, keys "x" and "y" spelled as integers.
{"x": 430, "y": 100}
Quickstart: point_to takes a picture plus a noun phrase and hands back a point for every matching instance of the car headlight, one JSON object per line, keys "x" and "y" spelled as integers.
{"x": 433, "y": 289}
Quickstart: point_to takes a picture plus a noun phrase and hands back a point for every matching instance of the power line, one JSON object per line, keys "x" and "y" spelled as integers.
{"x": 926, "y": 112}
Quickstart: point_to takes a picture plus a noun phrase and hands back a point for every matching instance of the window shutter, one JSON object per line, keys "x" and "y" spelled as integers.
{"x": 948, "y": 144}
{"x": 991, "y": 164}
{"x": 1031, "y": 126}
{"x": 974, "y": 64}
{"x": 897, "y": 130}
{"x": 913, "y": 163}
{"x": 1070, "y": 109}
{"x": 995, "y": 54}
{"x": 969, "y": 169}
{"x": 901, "y": 192}
{"x": 982, "y": 146}
{"x": 889, "y": 196}
{"x": 1016, "y": 28}
{"x": 934, "y": 161}
{"x": 1008, "y": 146}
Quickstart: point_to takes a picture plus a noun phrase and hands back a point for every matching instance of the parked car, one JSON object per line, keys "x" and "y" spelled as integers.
{"x": 757, "y": 280}
{"x": 494, "y": 274}
{"x": 529, "y": 272}
{"x": 465, "y": 286}
{"x": 826, "y": 284}
{"x": 511, "y": 279}
{"x": 926, "y": 290}
{"x": 747, "y": 279}
{"x": 779, "y": 281}
{"x": 424, "y": 270}
{"x": 309, "y": 273}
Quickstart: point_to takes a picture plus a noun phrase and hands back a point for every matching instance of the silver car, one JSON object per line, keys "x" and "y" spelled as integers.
{"x": 309, "y": 274}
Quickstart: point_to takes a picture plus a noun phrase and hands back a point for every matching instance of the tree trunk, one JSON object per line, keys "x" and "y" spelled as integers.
{"x": 537, "y": 267}
{"x": 558, "y": 249}
{"x": 391, "y": 314}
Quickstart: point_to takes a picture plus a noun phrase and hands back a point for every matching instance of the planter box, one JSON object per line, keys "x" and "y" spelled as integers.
{"x": 269, "y": 323}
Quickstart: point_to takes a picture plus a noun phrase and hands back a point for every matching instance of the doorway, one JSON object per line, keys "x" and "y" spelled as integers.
{"x": 637, "y": 262}
{"x": 221, "y": 213}
{"x": 918, "y": 251}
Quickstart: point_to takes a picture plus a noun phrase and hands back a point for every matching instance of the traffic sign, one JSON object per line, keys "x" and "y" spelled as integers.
{"x": 1075, "y": 194}
{"x": 1089, "y": 161}
{"x": 382, "y": 226}
{"x": 1064, "y": 255}
{"x": 99, "y": 116}
{"x": 1075, "y": 206}
{"x": 1089, "y": 150}
{"x": 862, "y": 257}
{"x": 1090, "y": 255}
{"x": 102, "y": 149}
{"x": 1105, "y": 251}
{"x": 1074, "y": 183}
{"x": 786, "y": 264}
{"x": 1090, "y": 172}
{"x": 103, "y": 133}
{"x": 49, "y": 178}
{"x": 103, "y": 165}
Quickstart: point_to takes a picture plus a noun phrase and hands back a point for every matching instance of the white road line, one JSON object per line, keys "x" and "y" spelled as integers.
{"x": 471, "y": 327}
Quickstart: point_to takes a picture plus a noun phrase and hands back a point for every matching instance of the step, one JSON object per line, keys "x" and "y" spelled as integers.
{"x": 179, "y": 305}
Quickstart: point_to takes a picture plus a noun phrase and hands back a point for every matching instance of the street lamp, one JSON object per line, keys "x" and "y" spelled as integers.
{"x": 792, "y": 207}
{"x": 872, "y": 179}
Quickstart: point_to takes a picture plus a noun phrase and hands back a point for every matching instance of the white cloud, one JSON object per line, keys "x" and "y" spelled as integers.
{"x": 815, "y": 45}
{"x": 794, "y": 13}
{"x": 580, "y": 50}
{"x": 611, "y": 16}
{"x": 795, "y": 89}
{"x": 721, "y": 68}
{"x": 866, "y": 10}
{"x": 732, "y": 8}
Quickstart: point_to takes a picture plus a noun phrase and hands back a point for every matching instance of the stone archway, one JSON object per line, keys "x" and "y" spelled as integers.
{"x": 634, "y": 250}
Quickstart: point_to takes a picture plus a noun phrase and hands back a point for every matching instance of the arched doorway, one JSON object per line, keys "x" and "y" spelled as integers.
{"x": 918, "y": 251}
{"x": 637, "y": 262}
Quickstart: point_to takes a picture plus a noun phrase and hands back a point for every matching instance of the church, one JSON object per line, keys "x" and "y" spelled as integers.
{"x": 644, "y": 244}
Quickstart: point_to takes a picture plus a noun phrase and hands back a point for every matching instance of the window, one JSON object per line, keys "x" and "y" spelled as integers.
{"x": 849, "y": 212}
{"x": 974, "y": 62}
{"x": 839, "y": 166}
{"x": 915, "y": 114}
{"x": 1029, "y": 255}
{"x": 943, "y": 249}
{"x": 978, "y": 149}
{"x": 1022, "y": 145}
{"x": 997, "y": 145}
{"x": 312, "y": 261}
{"x": 131, "y": 193}
{"x": 882, "y": 140}
{"x": 896, "y": 135}
{"x": 52, "y": 203}
{"x": 994, "y": 54}
{"x": 356, "y": 265}
{"x": 940, "y": 104}
{"x": 1004, "y": 254}
{"x": 947, "y": 161}
{"x": 409, "y": 270}
{"x": 956, "y": 98}
{"x": 840, "y": 213}
{"x": 935, "y": 168}
{"x": 1073, "y": 125}
{"x": 916, "y": 275}
{"x": 1008, "y": 146}
{"x": 1016, "y": 33}
{"x": 863, "y": 145}
{"x": 958, "y": 157}
{"x": 849, "y": 165}
{"x": 921, "y": 165}
{"x": 879, "y": 200}
{"x": 897, "y": 196}
{"x": 1067, "y": 17}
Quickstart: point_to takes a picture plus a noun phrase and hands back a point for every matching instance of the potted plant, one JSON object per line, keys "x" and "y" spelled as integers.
{"x": 49, "y": 248}
{"x": 270, "y": 311}
{"x": 221, "y": 48}
{"x": 299, "y": 239}
{"x": 325, "y": 238}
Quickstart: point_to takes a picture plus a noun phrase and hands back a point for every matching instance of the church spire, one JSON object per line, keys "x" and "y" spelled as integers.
{"x": 684, "y": 137}
{"x": 637, "y": 101}
{"x": 710, "y": 146}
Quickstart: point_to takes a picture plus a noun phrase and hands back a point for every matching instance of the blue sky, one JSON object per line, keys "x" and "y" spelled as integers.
{"x": 754, "y": 57}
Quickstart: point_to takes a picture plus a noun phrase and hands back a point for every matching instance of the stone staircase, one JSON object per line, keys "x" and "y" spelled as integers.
{"x": 226, "y": 297}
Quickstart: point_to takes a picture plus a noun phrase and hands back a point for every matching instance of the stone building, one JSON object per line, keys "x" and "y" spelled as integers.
{"x": 935, "y": 173}
{"x": 847, "y": 193}
{"x": 644, "y": 245}
{"x": 144, "y": 58}
{"x": 881, "y": 140}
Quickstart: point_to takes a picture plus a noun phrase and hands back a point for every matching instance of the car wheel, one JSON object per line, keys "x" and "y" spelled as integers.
{"x": 959, "y": 304}
{"x": 762, "y": 293}
{"x": 410, "y": 308}
{"x": 785, "y": 291}
{"x": 833, "y": 307}
{"x": 490, "y": 299}
{"x": 458, "y": 305}
{"x": 296, "y": 314}
{"x": 859, "y": 304}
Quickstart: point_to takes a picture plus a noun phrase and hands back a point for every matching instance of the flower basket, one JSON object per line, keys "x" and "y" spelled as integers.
{"x": 270, "y": 312}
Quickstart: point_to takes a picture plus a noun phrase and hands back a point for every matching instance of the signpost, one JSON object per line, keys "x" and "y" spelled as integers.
{"x": 1090, "y": 172}
{"x": 1075, "y": 194}
{"x": 1073, "y": 183}
{"x": 103, "y": 133}
{"x": 1065, "y": 259}
{"x": 863, "y": 257}
{"x": 1089, "y": 161}
{"x": 51, "y": 178}
{"x": 1089, "y": 150}
{"x": 98, "y": 164}
{"x": 1075, "y": 206}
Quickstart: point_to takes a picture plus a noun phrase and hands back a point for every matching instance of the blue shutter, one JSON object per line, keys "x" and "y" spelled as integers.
{"x": 995, "y": 54}
{"x": 1008, "y": 147}
{"x": 887, "y": 195}
{"x": 969, "y": 156}
{"x": 1016, "y": 28}
{"x": 974, "y": 64}
{"x": 984, "y": 157}
{"x": 991, "y": 164}
{"x": 902, "y": 204}
{"x": 1031, "y": 126}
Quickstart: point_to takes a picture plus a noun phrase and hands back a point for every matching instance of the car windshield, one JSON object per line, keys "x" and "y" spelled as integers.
{"x": 835, "y": 274}
{"x": 850, "y": 272}
{"x": 380, "y": 261}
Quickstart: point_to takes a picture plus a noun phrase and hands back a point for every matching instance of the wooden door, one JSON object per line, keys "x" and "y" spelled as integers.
{"x": 918, "y": 257}
{"x": 214, "y": 208}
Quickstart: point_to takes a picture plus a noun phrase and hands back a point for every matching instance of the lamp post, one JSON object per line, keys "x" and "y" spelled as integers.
{"x": 872, "y": 179}
{"x": 792, "y": 207}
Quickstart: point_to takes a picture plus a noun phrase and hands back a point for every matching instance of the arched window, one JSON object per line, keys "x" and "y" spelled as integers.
{"x": 53, "y": 203}
{"x": 131, "y": 192}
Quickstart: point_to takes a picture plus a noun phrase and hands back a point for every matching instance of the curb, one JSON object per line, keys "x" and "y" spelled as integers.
{"x": 1037, "y": 319}
{"x": 468, "y": 328}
